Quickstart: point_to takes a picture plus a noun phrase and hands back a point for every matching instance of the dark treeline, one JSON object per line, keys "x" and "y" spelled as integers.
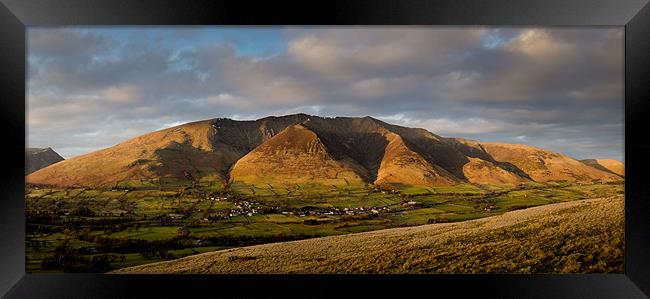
{"x": 108, "y": 250}
{"x": 127, "y": 245}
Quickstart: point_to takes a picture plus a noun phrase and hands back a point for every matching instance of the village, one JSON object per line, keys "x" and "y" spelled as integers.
{"x": 247, "y": 208}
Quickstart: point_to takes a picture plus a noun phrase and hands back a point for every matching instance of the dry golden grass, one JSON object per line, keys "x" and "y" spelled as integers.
{"x": 572, "y": 237}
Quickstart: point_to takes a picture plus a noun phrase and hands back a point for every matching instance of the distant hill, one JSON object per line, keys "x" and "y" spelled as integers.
{"x": 308, "y": 149}
{"x": 571, "y": 237}
{"x": 537, "y": 164}
{"x": 608, "y": 165}
{"x": 37, "y": 158}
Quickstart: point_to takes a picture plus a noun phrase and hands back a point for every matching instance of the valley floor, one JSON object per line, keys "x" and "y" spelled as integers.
{"x": 582, "y": 236}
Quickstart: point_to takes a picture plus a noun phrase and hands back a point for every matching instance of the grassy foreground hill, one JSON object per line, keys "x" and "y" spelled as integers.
{"x": 571, "y": 237}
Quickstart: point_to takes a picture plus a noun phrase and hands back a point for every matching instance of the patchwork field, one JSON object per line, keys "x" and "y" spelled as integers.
{"x": 572, "y": 237}
{"x": 99, "y": 230}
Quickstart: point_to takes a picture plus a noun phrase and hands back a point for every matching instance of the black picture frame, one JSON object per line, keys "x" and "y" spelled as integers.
{"x": 15, "y": 15}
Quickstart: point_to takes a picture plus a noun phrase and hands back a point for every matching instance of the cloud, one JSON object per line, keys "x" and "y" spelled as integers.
{"x": 451, "y": 127}
{"x": 561, "y": 88}
{"x": 381, "y": 87}
{"x": 121, "y": 94}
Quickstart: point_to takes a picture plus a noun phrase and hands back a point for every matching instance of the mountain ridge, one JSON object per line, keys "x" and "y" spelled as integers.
{"x": 365, "y": 149}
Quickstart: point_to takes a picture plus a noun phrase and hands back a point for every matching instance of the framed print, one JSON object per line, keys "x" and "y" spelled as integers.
{"x": 221, "y": 148}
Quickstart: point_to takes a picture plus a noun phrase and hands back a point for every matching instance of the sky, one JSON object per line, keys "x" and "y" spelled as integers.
{"x": 559, "y": 88}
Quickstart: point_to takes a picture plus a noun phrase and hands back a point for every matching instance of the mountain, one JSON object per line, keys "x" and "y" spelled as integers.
{"x": 37, "y": 158}
{"x": 308, "y": 149}
{"x": 608, "y": 165}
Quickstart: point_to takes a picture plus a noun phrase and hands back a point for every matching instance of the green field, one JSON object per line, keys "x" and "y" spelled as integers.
{"x": 98, "y": 230}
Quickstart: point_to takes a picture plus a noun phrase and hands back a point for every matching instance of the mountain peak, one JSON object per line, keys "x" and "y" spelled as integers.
{"x": 295, "y": 155}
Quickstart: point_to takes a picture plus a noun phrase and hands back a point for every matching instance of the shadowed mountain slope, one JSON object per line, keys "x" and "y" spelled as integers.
{"x": 612, "y": 166}
{"x": 37, "y": 158}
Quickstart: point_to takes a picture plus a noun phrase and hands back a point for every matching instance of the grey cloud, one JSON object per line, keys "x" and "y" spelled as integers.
{"x": 63, "y": 43}
{"x": 557, "y": 88}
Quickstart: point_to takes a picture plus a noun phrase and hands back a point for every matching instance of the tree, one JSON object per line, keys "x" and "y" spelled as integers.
{"x": 183, "y": 232}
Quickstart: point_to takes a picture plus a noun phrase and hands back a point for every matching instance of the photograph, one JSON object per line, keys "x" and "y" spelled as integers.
{"x": 343, "y": 149}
